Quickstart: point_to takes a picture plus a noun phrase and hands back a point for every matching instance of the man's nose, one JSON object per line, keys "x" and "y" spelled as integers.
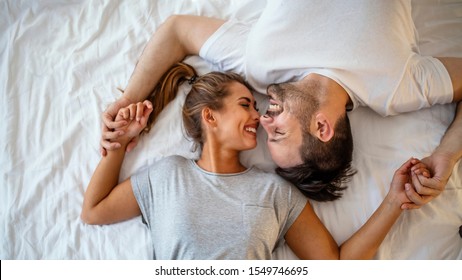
{"x": 266, "y": 121}
{"x": 265, "y": 118}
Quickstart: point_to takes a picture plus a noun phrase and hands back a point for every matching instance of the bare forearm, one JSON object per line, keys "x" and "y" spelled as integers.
{"x": 451, "y": 144}
{"x": 454, "y": 67}
{"x": 162, "y": 51}
{"x": 104, "y": 179}
{"x": 178, "y": 37}
{"x": 366, "y": 241}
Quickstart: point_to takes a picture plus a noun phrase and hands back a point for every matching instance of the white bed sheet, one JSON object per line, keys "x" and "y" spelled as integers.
{"x": 61, "y": 62}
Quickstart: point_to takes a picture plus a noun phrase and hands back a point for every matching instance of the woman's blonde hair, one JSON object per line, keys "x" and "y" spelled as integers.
{"x": 207, "y": 91}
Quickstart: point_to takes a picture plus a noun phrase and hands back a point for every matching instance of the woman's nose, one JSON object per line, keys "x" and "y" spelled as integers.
{"x": 255, "y": 115}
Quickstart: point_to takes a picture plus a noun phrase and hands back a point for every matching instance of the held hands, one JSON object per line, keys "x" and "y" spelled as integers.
{"x": 135, "y": 116}
{"x": 406, "y": 184}
{"x": 441, "y": 166}
{"x": 430, "y": 182}
{"x": 110, "y": 126}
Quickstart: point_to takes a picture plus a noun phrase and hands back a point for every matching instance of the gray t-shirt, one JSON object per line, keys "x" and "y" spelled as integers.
{"x": 195, "y": 214}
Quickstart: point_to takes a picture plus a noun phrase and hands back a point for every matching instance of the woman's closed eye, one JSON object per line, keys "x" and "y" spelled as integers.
{"x": 247, "y": 105}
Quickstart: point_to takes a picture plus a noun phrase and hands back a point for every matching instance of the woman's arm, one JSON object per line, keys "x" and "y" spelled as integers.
{"x": 178, "y": 37}
{"x": 105, "y": 200}
{"x": 309, "y": 239}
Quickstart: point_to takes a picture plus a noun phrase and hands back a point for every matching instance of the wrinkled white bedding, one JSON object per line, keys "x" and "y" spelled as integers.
{"x": 61, "y": 62}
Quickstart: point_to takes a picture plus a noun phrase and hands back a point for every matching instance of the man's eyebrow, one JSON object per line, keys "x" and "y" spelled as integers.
{"x": 277, "y": 141}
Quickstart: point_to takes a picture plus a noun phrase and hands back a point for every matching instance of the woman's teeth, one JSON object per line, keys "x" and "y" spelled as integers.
{"x": 251, "y": 129}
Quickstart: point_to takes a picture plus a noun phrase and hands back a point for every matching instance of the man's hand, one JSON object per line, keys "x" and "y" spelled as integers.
{"x": 441, "y": 162}
{"x": 109, "y": 125}
{"x": 432, "y": 185}
{"x": 405, "y": 181}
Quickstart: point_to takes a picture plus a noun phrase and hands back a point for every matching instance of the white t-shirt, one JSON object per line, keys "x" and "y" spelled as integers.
{"x": 368, "y": 47}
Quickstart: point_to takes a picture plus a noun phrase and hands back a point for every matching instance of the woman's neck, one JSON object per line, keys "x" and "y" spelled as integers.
{"x": 216, "y": 160}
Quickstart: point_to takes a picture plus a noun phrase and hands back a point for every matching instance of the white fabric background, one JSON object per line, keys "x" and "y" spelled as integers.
{"x": 60, "y": 65}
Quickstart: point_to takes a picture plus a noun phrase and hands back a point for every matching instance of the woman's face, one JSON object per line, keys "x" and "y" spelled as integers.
{"x": 237, "y": 121}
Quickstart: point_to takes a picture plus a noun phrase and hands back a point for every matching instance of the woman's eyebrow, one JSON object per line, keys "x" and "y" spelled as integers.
{"x": 249, "y": 100}
{"x": 245, "y": 98}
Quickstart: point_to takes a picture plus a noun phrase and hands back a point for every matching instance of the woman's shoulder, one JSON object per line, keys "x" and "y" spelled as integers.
{"x": 274, "y": 184}
{"x": 175, "y": 159}
{"x": 170, "y": 162}
{"x": 268, "y": 176}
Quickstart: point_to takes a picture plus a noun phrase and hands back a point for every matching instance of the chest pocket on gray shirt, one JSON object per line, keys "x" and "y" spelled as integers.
{"x": 262, "y": 228}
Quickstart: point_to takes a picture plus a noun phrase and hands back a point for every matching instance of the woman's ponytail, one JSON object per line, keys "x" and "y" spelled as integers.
{"x": 167, "y": 88}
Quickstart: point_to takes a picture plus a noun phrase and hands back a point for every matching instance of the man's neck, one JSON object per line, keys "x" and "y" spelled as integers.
{"x": 335, "y": 93}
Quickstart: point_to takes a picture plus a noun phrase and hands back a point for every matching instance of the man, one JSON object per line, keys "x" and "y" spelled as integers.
{"x": 324, "y": 58}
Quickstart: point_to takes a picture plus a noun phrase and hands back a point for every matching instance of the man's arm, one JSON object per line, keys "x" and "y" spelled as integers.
{"x": 451, "y": 143}
{"x": 454, "y": 67}
{"x": 442, "y": 161}
{"x": 178, "y": 37}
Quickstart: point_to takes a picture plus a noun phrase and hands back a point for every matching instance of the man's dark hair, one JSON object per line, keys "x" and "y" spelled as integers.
{"x": 326, "y": 166}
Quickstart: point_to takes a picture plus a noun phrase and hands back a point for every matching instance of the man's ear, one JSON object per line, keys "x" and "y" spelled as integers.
{"x": 324, "y": 127}
{"x": 208, "y": 117}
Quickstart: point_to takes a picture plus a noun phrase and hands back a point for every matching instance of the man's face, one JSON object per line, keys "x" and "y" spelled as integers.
{"x": 282, "y": 126}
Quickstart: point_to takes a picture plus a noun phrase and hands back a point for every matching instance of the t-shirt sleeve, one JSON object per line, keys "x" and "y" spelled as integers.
{"x": 142, "y": 190}
{"x": 296, "y": 203}
{"x": 425, "y": 82}
{"x": 226, "y": 48}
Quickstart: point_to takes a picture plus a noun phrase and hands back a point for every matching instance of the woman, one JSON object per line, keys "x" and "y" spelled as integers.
{"x": 215, "y": 207}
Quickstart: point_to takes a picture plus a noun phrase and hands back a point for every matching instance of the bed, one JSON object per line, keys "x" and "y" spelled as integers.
{"x": 61, "y": 65}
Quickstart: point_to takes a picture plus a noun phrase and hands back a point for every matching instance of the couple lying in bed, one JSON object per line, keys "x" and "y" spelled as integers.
{"x": 308, "y": 136}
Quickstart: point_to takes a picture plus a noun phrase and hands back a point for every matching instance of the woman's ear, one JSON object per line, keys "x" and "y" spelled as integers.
{"x": 324, "y": 128}
{"x": 208, "y": 117}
